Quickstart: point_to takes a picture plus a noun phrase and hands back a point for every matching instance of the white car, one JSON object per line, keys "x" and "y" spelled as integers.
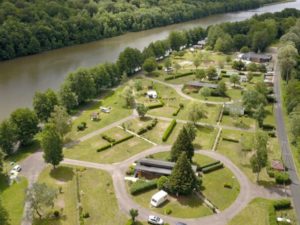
{"x": 281, "y": 219}
{"x": 17, "y": 168}
{"x": 155, "y": 220}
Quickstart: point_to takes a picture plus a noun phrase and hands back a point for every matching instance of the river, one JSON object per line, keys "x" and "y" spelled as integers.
{"x": 21, "y": 77}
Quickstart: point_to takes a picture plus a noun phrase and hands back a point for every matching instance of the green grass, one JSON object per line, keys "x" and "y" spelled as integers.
{"x": 240, "y": 122}
{"x": 97, "y": 196}
{"x": 86, "y": 150}
{"x": 205, "y": 137}
{"x": 118, "y": 112}
{"x": 13, "y": 199}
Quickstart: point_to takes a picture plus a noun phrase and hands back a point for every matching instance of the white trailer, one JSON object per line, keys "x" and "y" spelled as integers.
{"x": 159, "y": 198}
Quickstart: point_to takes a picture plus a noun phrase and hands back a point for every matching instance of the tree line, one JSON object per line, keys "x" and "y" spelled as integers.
{"x": 30, "y": 27}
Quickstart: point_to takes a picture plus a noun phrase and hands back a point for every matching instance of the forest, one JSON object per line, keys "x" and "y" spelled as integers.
{"x": 33, "y": 26}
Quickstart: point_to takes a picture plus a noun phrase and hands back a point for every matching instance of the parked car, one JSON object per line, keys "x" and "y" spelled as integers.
{"x": 155, "y": 220}
{"x": 180, "y": 223}
{"x": 17, "y": 168}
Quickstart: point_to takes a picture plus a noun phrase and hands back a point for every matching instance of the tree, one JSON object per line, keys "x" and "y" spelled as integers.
{"x": 162, "y": 183}
{"x": 262, "y": 88}
{"x": 133, "y": 214}
{"x": 127, "y": 95}
{"x": 7, "y": 136}
{"x": 252, "y": 99}
{"x": 177, "y": 39}
{"x": 211, "y": 72}
{"x": 245, "y": 49}
{"x": 177, "y": 67}
{"x": 61, "y": 120}
{"x": 150, "y": 65}
{"x": 25, "y": 122}
{"x": 221, "y": 89}
{"x": 183, "y": 143}
{"x": 205, "y": 92}
{"x": 235, "y": 79}
{"x": 183, "y": 180}
{"x": 43, "y": 104}
{"x": 287, "y": 60}
{"x": 191, "y": 129}
{"x": 260, "y": 158}
{"x": 67, "y": 98}
{"x": 196, "y": 62}
{"x": 129, "y": 60}
{"x": 224, "y": 44}
{"x": 52, "y": 145}
{"x": 41, "y": 196}
{"x": 195, "y": 112}
{"x": 249, "y": 76}
{"x": 200, "y": 74}
{"x": 168, "y": 63}
{"x": 138, "y": 85}
{"x": 238, "y": 65}
{"x": 1, "y": 161}
{"x": 260, "y": 114}
{"x": 4, "y": 218}
{"x": 295, "y": 125}
{"x": 142, "y": 110}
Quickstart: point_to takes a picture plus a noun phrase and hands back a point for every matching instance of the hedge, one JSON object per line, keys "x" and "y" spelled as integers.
{"x": 169, "y": 130}
{"x": 123, "y": 139}
{"x": 104, "y": 147}
{"x": 157, "y": 105}
{"x": 210, "y": 164}
{"x": 282, "y": 178}
{"x": 148, "y": 127}
{"x": 272, "y": 215}
{"x": 108, "y": 138}
{"x": 212, "y": 168}
{"x": 230, "y": 140}
{"x": 176, "y": 112}
{"x": 282, "y": 204}
{"x": 142, "y": 185}
{"x": 268, "y": 127}
{"x": 179, "y": 75}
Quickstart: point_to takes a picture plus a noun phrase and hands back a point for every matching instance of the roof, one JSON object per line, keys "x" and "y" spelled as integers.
{"x": 277, "y": 165}
{"x": 151, "y": 92}
{"x": 159, "y": 195}
{"x": 202, "y": 84}
{"x": 253, "y": 55}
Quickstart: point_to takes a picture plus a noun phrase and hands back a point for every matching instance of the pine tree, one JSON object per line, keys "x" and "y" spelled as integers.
{"x": 183, "y": 180}
{"x": 183, "y": 143}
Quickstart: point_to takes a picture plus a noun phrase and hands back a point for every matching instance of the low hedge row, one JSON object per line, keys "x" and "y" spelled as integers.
{"x": 157, "y": 105}
{"x": 114, "y": 143}
{"x": 142, "y": 185}
{"x": 230, "y": 140}
{"x": 169, "y": 130}
{"x": 210, "y": 164}
{"x": 179, "y": 75}
{"x": 108, "y": 138}
{"x": 148, "y": 127}
{"x": 176, "y": 112}
{"x": 277, "y": 205}
{"x": 213, "y": 168}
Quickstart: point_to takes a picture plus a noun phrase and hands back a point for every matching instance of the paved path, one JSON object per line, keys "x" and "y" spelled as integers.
{"x": 248, "y": 191}
{"x": 284, "y": 143}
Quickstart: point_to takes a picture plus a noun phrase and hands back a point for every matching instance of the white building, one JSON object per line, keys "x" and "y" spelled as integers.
{"x": 152, "y": 94}
{"x": 159, "y": 198}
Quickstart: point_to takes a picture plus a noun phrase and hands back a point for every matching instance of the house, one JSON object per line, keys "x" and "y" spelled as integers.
{"x": 156, "y": 167}
{"x": 197, "y": 84}
{"x": 255, "y": 57}
{"x": 277, "y": 165}
{"x": 158, "y": 198}
{"x": 152, "y": 94}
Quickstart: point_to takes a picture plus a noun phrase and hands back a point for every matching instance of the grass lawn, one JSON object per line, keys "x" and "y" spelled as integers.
{"x": 242, "y": 158}
{"x": 183, "y": 207}
{"x": 270, "y": 119}
{"x": 205, "y": 137}
{"x": 117, "y": 113}
{"x": 240, "y": 122}
{"x": 97, "y": 196}
{"x": 256, "y": 213}
{"x": 86, "y": 150}
{"x": 13, "y": 199}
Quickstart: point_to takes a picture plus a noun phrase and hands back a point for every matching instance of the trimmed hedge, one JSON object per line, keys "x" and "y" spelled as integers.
{"x": 123, "y": 139}
{"x": 104, "y": 147}
{"x": 212, "y": 168}
{"x": 148, "y": 127}
{"x": 230, "y": 140}
{"x": 169, "y": 130}
{"x": 210, "y": 164}
{"x": 114, "y": 143}
{"x": 282, "y": 178}
{"x": 176, "y": 112}
{"x": 179, "y": 75}
{"x": 142, "y": 185}
{"x": 282, "y": 204}
{"x": 157, "y": 105}
{"x": 108, "y": 138}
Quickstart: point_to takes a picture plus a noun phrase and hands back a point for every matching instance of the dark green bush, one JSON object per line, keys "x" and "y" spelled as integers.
{"x": 230, "y": 140}
{"x": 157, "y": 105}
{"x": 210, "y": 164}
{"x": 161, "y": 182}
{"x": 212, "y": 168}
{"x": 270, "y": 171}
{"x": 282, "y": 178}
{"x": 86, "y": 215}
{"x": 123, "y": 139}
{"x": 169, "y": 130}
{"x": 104, "y": 147}
{"x": 159, "y": 67}
{"x": 81, "y": 126}
{"x": 282, "y": 204}
{"x": 142, "y": 185}
{"x": 176, "y": 112}
{"x": 229, "y": 186}
{"x": 108, "y": 138}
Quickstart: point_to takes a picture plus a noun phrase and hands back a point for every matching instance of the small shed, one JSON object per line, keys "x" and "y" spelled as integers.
{"x": 277, "y": 165}
{"x": 152, "y": 94}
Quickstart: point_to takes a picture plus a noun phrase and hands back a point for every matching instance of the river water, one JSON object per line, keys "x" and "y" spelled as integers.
{"x": 21, "y": 77}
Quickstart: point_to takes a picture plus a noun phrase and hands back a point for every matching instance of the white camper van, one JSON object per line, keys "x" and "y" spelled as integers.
{"x": 159, "y": 198}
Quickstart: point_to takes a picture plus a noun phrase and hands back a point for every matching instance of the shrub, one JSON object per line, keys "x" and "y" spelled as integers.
{"x": 229, "y": 186}
{"x": 181, "y": 105}
{"x": 179, "y": 75}
{"x": 169, "y": 130}
{"x": 86, "y": 215}
{"x": 130, "y": 170}
{"x": 129, "y": 222}
{"x": 104, "y": 147}
{"x": 212, "y": 168}
{"x": 168, "y": 211}
{"x": 230, "y": 140}
{"x": 159, "y": 67}
{"x": 270, "y": 171}
{"x": 210, "y": 164}
{"x": 142, "y": 130}
{"x": 123, "y": 139}
{"x": 176, "y": 112}
{"x": 56, "y": 214}
{"x": 282, "y": 178}
{"x": 268, "y": 127}
{"x": 161, "y": 182}
{"x": 142, "y": 185}
{"x": 157, "y": 105}
{"x": 81, "y": 126}
{"x": 108, "y": 138}
{"x": 282, "y": 204}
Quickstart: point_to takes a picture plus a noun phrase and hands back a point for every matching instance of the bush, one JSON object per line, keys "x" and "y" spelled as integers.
{"x": 159, "y": 67}
{"x": 142, "y": 130}
{"x": 129, "y": 222}
{"x": 142, "y": 185}
{"x": 282, "y": 178}
{"x": 181, "y": 105}
{"x": 86, "y": 215}
{"x": 169, "y": 130}
{"x": 56, "y": 214}
{"x": 148, "y": 127}
{"x": 282, "y": 204}
{"x": 212, "y": 168}
{"x": 268, "y": 127}
{"x": 230, "y": 140}
{"x": 104, "y": 147}
{"x": 161, "y": 182}
{"x": 81, "y": 126}
{"x": 210, "y": 164}
{"x": 168, "y": 211}
{"x": 123, "y": 139}
{"x": 157, "y": 105}
{"x": 229, "y": 186}
{"x": 107, "y": 138}
{"x": 130, "y": 170}
{"x": 179, "y": 75}
{"x": 270, "y": 171}
{"x": 176, "y": 112}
